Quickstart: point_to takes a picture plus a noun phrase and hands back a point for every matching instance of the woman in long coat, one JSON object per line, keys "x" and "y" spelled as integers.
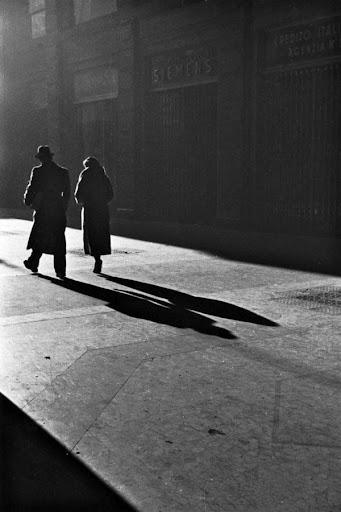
{"x": 94, "y": 192}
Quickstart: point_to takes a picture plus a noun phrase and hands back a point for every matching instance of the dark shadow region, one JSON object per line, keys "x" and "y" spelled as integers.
{"x": 145, "y": 307}
{"x": 306, "y": 253}
{"x": 181, "y": 300}
{"x": 293, "y": 251}
{"x": 175, "y": 311}
{"x": 40, "y": 475}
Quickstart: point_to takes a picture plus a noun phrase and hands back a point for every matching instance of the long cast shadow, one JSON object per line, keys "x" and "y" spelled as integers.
{"x": 191, "y": 302}
{"x": 146, "y": 307}
{"x": 143, "y": 308}
{"x": 225, "y": 310}
{"x": 38, "y": 474}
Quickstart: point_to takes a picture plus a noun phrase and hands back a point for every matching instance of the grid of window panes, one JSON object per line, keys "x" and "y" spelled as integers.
{"x": 38, "y": 17}
{"x": 85, "y": 10}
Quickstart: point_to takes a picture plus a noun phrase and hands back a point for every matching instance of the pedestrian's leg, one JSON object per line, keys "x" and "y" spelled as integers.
{"x": 98, "y": 263}
{"x": 32, "y": 261}
{"x": 59, "y": 260}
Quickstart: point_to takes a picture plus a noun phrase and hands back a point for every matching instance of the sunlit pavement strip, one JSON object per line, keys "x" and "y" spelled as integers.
{"x": 53, "y": 315}
{"x": 177, "y": 419}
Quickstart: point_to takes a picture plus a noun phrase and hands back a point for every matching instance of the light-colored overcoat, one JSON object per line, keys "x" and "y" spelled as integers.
{"x": 94, "y": 192}
{"x": 48, "y": 193}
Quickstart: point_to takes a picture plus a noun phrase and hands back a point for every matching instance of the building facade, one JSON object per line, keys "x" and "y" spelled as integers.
{"x": 220, "y": 118}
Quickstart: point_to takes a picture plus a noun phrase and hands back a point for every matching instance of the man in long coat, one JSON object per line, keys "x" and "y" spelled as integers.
{"x": 48, "y": 193}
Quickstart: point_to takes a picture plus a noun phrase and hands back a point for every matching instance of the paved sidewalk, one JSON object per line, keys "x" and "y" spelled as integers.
{"x": 185, "y": 381}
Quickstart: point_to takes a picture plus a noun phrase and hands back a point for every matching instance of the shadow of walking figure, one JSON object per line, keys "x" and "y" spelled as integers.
{"x": 203, "y": 305}
{"x": 175, "y": 313}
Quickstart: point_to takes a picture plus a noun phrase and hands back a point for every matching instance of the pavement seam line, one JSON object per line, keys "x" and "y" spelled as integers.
{"x": 50, "y": 384}
{"x": 109, "y": 401}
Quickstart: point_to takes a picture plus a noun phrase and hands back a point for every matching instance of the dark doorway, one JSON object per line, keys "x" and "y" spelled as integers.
{"x": 179, "y": 179}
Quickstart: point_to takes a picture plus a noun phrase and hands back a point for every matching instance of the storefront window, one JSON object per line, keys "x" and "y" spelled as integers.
{"x": 38, "y": 18}
{"x": 97, "y": 131}
{"x": 95, "y": 95}
{"x": 85, "y": 10}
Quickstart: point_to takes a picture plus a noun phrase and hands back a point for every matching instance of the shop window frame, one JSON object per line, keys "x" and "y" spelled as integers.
{"x": 37, "y": 8}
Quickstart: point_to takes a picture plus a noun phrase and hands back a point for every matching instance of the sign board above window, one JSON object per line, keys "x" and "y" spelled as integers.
{"x": 86, "y": 10}
{"x": 183, "y": 67}
{"x": 36, "y": 5}
{"x": 96, "y": 84}
{"x": 299, "y": 43}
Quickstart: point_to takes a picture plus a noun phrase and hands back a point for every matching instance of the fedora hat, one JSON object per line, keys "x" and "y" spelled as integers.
{"x": 43, "y": 151}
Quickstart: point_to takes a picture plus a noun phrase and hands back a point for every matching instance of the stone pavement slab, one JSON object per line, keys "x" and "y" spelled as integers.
{"x": 185, "y": 381}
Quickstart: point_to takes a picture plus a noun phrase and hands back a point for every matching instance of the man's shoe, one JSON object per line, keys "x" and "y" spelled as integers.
{"x": 29, "y": 265}
{"x": 60, "y": 275}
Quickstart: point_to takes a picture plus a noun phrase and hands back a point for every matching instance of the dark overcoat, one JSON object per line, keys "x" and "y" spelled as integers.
{"x": 48, "y": 193}
{"x": 94, "y": 192}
